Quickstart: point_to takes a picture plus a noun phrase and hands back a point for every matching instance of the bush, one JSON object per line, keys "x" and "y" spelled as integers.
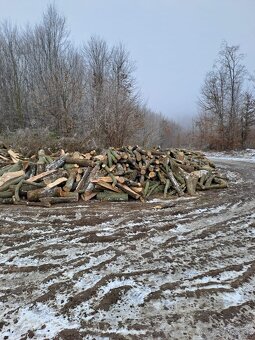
{"x": 29, "y": 141}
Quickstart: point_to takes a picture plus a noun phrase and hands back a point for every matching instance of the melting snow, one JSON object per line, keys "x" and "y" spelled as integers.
{"x": 34, "y": 318}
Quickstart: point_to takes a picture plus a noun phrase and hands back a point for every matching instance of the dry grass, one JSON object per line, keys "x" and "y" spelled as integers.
{"x": 29, "y": 141}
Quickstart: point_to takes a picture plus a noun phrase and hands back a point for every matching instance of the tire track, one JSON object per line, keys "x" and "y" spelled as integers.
{"x": 130, "y": 271}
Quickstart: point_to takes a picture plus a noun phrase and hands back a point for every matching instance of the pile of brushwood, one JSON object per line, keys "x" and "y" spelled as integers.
{"x": 115, "y": 174}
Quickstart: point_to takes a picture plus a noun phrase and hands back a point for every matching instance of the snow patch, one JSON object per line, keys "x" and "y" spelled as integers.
{"x": 34, "y": 318}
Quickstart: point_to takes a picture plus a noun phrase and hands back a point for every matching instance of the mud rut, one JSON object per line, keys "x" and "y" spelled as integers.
{"x": 129, "y": 271}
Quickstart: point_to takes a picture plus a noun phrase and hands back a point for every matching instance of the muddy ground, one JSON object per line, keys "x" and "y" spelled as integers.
{"x": 131, "y": 270}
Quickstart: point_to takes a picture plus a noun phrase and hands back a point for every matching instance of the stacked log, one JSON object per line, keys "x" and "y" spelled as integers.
{"x": 113, "y": 175}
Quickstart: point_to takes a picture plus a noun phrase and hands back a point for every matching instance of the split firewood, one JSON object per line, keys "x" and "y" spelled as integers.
{"x": 40, "y": 176}
{"x": 136, "y": 189}
{"x": 107, "y": 186}
{"x": 127, "y": 190}
{"x": 14, "y": 156}
{"x": 88, "y": 196}
{"x": 57, "y": 182}
{"x": 106, "y": 179}
{"x": 10, "y": 175}
{"x": 54, "y": 176}
{"x": 117, "y": 173}
{"x": 4, "y": 158}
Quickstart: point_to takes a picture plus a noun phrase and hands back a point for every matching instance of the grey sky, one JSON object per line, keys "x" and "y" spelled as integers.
{"x": 173, "y": 42}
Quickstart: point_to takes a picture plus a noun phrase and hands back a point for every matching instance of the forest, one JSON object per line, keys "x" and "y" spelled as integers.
{"x": 56, "y": 94}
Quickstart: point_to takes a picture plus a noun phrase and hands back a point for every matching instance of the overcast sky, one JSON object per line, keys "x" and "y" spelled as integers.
{"x": 173, "y": 42}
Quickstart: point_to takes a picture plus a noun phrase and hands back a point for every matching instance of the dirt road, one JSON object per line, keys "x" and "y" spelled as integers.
{"x": 130, "y": 270}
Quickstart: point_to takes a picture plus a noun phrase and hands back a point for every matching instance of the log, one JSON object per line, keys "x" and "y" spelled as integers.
{"x": 174, "y": 182}
{"x": 109, "y": 171}
{"x": 93, "y": 174}
{"x": 10, "y": 175}
{"x": 109, "y": 157}
{"x": 17, "y": 190}
{"x": 81, "y": 185}
{"x": 115, "y": 154}
{"x": 120, "y": 170}
{"x": 112, "y": 196}
{"x": 152, "y": 189}
{"x": 32, "y": 185}
{"x": 55, "y": 175}
{"x": 126, "y": 189}
{"x": 70, "y": 167}
{"x": 136, "y": 189}
{"x": 191, "y": 183}
{"x": 223, "y": 185}
{"x": 68, "y": 194}
{"x": 11, "y": 182}
{"x": 70, "y": 181}
{"x": 129, "y": 182}
{"x": 106, "y": 179}
{"x": 209, "y": 181}
{"x": 41, "y": 163}
{"x": 77, "y": 178}
{"x": 6, "y": 194}
{"x": 177, "y": 171}
{"x": 81, "y": 162}
{"x": 167, "y": 186}
{"x": 146, "y": 188}
{"x": 58, "y": 163}
{"x": 11, "y": 168}
{"x": 4, "y": 158}
{"x": 33, "y": 204}
{"x": 35, "y": 195}
{"x": 138, "y": 156}
{"x": 5, "y": 169}
{"x": 152, "y": 174}
{"x": 31, "y": 170}
{"x": 55, "y": 200}
{"x": 88, "y": 196}
{"x": 6, "y": 201}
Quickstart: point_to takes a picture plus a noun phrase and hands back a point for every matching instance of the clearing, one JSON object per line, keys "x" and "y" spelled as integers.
{"x": 130, "y": 270}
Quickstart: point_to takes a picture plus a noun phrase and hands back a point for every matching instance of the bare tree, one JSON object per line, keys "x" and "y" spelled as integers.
{"x": 47, "y": 83}
{"x": 57, "y": 73}
{"x": 96, "y": 58}
{"x": 125, "y": 114}
{"x": 11, "y": 77}
{"x": 222, "y": 95}
{"x": 247, "y": 117}
{"x": 113, "y": 103}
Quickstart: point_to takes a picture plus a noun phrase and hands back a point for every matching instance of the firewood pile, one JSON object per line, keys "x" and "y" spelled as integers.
{"x": 113, "y": 175}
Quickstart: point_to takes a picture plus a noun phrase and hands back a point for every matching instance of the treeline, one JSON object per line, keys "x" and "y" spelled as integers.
{"x": 227, "y": 104}
{"x": 88, "y": 92}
